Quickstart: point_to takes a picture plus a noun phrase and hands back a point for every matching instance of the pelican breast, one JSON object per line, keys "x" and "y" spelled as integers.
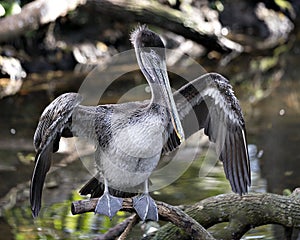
{"x": 141, "y": 140}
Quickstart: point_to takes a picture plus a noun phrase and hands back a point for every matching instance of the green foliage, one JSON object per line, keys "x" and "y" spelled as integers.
{"x": 9, "y": 7}
{"x": 264, "y": 64}
{"x": 218, "y": 5}
{"x": 284, "y": 4}
{"x": 287, "y": 192}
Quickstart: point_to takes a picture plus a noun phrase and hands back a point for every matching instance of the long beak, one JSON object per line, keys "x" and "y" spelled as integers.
{"x": 166, "y": 89}
{"x": 155, "y": 70}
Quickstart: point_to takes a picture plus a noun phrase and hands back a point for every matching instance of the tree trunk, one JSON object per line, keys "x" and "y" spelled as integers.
{"x": 191, "y": 23}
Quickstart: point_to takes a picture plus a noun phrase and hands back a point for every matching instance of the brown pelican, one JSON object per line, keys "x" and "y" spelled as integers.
{"x": 131, "y": 137}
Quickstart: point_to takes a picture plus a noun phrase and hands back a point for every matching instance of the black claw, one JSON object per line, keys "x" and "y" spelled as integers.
{"x": 145, "y": 207}
{"x": 108, "y": 205}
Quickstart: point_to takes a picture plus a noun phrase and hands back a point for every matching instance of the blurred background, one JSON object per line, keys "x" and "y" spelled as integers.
{"x": 48, "y": 48}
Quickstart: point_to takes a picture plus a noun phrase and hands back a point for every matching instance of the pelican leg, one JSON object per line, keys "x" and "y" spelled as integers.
{"x": 145, "y": 206}
{"x": 107, "y": 204}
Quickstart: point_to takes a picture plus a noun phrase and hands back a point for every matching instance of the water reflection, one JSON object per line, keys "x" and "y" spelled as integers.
{"x": 277, "y": 119}
{"x": 273, "y": 127}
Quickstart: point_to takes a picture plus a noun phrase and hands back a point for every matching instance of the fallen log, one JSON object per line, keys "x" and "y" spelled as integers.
{"x": 191, "y": 22}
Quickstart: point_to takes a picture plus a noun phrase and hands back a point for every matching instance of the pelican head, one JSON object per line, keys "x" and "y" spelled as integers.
{"x": 151, "y": 57}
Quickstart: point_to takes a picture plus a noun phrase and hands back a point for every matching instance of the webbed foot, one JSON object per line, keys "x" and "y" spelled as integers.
{"x": 108, "y": 205}
{"x": 145, "y": 207}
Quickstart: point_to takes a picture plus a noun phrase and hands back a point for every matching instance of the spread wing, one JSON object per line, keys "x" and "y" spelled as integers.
{"x": 54, "y": 122}
{"x": 208, "y": 102}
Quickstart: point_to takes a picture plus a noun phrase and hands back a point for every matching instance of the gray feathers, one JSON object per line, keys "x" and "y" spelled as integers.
{"x": 131, "y": 137}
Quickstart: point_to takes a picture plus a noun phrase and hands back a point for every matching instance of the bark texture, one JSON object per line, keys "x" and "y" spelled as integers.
{"x": 33, "y": 15}
{"x": 241, "y": 212}
{"x": 201, "y": 26}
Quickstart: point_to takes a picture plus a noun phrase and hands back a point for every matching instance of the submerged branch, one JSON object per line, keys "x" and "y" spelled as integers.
{"x": 241, "y": 213}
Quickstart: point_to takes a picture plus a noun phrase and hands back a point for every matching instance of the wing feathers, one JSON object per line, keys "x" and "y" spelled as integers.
{"x": 46, "y": 140}
{"x": 42, "y": 166}
{"x": 212, "y": 100}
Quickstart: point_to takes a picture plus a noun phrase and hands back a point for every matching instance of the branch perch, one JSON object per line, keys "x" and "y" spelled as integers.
{"x": 242, "y": 213}
{"x": 166, "y": 212}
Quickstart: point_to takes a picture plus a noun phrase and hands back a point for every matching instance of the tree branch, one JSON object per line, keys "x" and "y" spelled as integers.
{"x": 119, "y": 229}
{"x": 190, "y": 22}
{"x": 33, "y": 15}
{"x": 242, "y": 213}
{"x": 166, "y": 212}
